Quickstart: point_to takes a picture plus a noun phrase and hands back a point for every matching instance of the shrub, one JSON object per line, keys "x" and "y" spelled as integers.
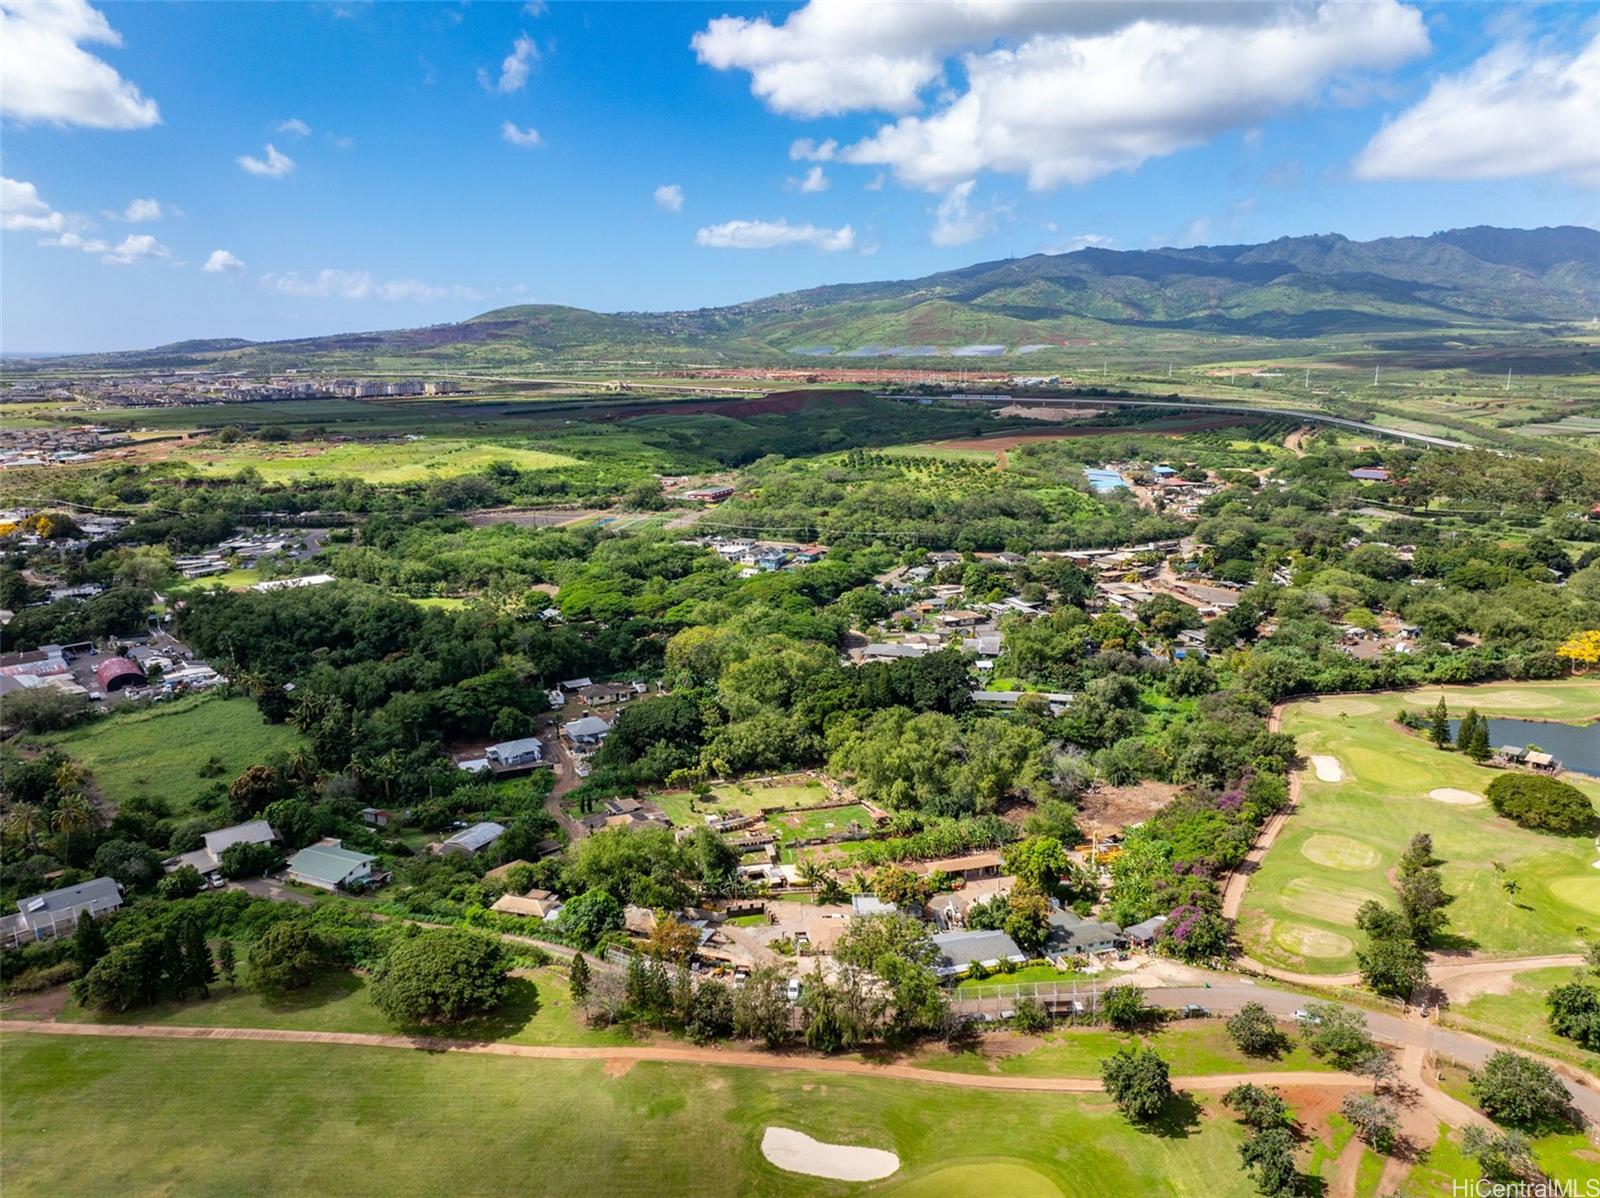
{"x": 1255, "y": 1031}
{"x": 1542, "y": 804}
{"x": 1138, "y": 1083}
{"x": 1575, "y": 1013}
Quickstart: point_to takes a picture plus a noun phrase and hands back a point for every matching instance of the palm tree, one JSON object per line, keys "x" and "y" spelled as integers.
{"x": 302, "y": 767}
{"x": 74, "y": 813}
{"x": 22, "y": 823}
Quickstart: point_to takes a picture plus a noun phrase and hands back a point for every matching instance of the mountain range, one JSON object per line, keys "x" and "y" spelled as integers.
{"x": 1466, "y": 282}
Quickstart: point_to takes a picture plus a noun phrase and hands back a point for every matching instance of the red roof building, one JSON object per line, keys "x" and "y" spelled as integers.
{"x": 115, "y": 673}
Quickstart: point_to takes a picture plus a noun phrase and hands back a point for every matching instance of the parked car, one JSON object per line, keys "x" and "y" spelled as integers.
{"x": 1194, "y": 1011}
{"x": 794, "y": 990}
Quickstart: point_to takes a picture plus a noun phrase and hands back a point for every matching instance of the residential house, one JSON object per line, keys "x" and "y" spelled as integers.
{"x": 208, "y": 858}
{"x": 328, "y": 865}
{"x": 1072, "y": 935}
{"x": 959, "y": 951}
{"x": 56, "y": 912}
{"x": 1144, "y": 934}
{"x": 971, "y": 868}
{"x": 586, "y": 734}
{"x": 522, "y": 753}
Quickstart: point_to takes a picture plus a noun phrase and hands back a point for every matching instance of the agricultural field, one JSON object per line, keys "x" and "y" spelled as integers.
{"x": 253, "y": 1118}
{"x": 379, "y": 463}
{"x": 1337, "y": 850}
{"x": 156, "y": 752}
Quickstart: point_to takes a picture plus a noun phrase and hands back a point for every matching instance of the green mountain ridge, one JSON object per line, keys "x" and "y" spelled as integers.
{"x": 1475, "y": 280}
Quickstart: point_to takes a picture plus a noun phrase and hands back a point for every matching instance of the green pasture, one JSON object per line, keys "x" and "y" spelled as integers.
{"x": 156, "y": 752}
{"x": 731, "y": 798}
{"x": 234, "y": 1117}
{"x": 1521, "y": 1014}
{"x": 1339, "y": 848}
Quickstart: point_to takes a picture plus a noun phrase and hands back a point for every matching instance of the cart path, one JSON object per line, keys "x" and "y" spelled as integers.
{"x": 1233, "y": 889}
{"x": 1442, "y": 969}
{"x": 685, "y": 1055}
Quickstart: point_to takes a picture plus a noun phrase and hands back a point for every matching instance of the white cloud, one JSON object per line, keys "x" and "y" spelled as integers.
{"x": 1083, "y": 241}
{"x": 1071, "y": 109}
{"x": 514, "y": 68}
{"x": 49, "y": 77}
{"x": 360, "y": 285}
{"x": 142, "y": 210}
{"x": 955, "y": 221}
{"x": 670, "y": 197}
{"x": 1075, "y": 92}
{"x": 1519, "y": 110}
{"x": 222, "y": 262}
{"x": 766, "y": 235}
{"x": 875, "y": 183}
{"x": 526, "y": 138}
{"x": 294, "y": 127}
{"x": 803, "y": 149}
{"x": 74, "y": 241}
{"x": 23, "y": 210}
{"x": 535, "y": 8}
{"x": 136, "y": 247}
{"x": 274, "y": 166}
{"x": 815, "y": 180}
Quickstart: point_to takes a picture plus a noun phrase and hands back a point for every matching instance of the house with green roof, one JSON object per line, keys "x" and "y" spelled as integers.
{"x": 328, "y": 865}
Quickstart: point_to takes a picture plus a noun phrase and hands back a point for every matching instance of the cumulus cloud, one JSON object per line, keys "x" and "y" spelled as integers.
{"x": 814, "y": 180}
{"x": 526, "y": 138}
{"x": 222, "y": 262}
{"x": 1085, "y": 89}
{"x": 1519, "y": 110}
{"x": 956, "y": 222}
{"x": 361, "y": 285}
{"x": 803, "y": 149}
{"x": 514, "y": 68}
{"x": 23, "y": 210}
{"x": 766, "y": 235}
{"x": 669, "y": 196}
{"x": 274, "y": 165}
{"x": 142, "y": 210}
{"x": 1071, "y": 109}
{"x": 294, "y": 127}
{"x": 50, "y": 78}
{"x": 76, "y": 241}
{"x": 136, "y": 247}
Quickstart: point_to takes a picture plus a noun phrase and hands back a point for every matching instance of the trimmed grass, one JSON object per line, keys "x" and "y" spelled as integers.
{"x": 729, "y": 798}
{"x": 379, "y": 463}
{"x": 539, "y": 1011}
{"x": 1031, "y": 973}
{"x": 1192, "y": 1047}
{"x": 1347, "y": 836}
{"x": 267, "y": 1119}
{"x": 156, "y": 751}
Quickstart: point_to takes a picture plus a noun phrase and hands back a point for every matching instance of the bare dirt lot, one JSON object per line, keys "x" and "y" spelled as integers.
{"x": 1115, "y": 807}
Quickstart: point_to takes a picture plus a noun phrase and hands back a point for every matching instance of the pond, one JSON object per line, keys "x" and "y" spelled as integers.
{"x": 1576, "y": 746}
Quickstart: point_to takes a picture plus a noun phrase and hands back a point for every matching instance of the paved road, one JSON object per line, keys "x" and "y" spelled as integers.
{"x": 1390, "y": 1029}
{"x": 685, "y": 1055}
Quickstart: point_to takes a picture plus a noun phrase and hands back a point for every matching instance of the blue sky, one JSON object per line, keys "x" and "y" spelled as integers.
{"x": 395, "y": 194}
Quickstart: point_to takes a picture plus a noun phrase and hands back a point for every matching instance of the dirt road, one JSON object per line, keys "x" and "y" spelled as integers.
{"x": 685, "y": 1055}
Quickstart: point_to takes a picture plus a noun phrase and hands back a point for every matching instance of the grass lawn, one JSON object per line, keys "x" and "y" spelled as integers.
{"x": 539, "y": 1011}
{"x": 1338, "y": 849}
{"x": 293, "y": 1119}
{"x": 1522, "y": 1013}
{"x": 730, "y": 798}
{"x": 1030, "y": 973}
{"x": 156, "y": 751}
{"x": 381, "y": 462}
{"x": 1565, "y": 1154}
{"x": 1191, "y": 1048}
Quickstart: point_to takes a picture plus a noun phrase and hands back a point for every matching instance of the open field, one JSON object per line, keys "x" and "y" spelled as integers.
{"x": 539, "y": 1011}
{"x": 156, "y": 752}
{"x": 730, "y": 798}
{"x": 383, "y": 462}
{"x": 1339, "y": 848}
{"x": 258, "y": 1118}
{"x": 1522, "y": 1013}
{"x": 1564, "y": 1154}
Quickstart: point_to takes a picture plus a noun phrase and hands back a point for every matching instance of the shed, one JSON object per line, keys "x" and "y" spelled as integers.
{"x": 473, "y": 840}
{"x": 117, "y": 673}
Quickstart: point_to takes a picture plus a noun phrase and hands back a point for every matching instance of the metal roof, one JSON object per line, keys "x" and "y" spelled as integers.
{"x": 957, "y": 950}
{"x": 479, "y": 836}
{"x": 329, "y": 863}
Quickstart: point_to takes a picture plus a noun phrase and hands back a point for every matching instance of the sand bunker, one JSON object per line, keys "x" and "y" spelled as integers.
{"x": 1451, "y": 794}
{"x": 1328, "y": 768}
{"x": 797, "y": 1152}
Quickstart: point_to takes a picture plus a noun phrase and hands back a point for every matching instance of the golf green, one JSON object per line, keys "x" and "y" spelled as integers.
{"x": 992, "y": 1177}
